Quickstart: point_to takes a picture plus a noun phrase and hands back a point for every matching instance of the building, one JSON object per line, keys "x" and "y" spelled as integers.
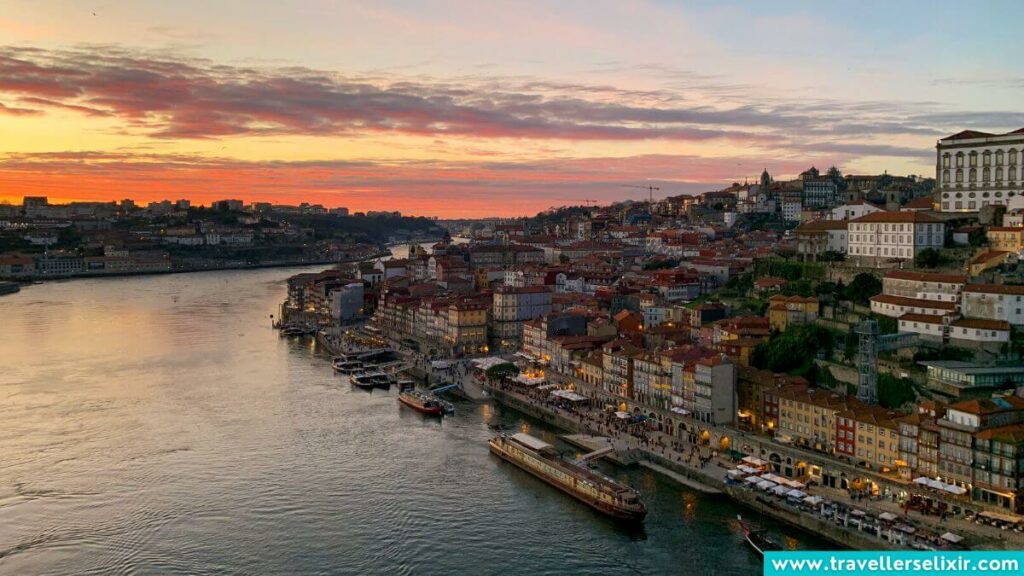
{"x": 898, "y": 306}
{"x": 854, "y": 210}
{"x": 1006, "y": 239}
{"x": 977, "y": 169}
{"x": 892, "y": 236}
{"x": 512, "y": 307}
{"x": 347, "y": 302}
{"x": 869, "y": 436}
{"x": 714, "y": 391}
{"x": 815, "y": 238}
{"x": 981, "y": 449}
{"x": 784, "y": 312}
{"x": 994, "y": 302}
{"x": 467, "y": 327}
{"x": 961, "y": 380}
{"x": 925, "y": 286}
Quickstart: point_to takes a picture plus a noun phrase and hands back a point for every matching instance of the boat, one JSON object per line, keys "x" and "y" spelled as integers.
{"x": 346, "y": 367}
{"x": 758, "y": 538}
{"x": 382, "y": 379}
{"x": 9, "y": 288}
{"x": 364, "y": 380}
{"x": 601, "y": 493}
{"x": 425, "y": 403}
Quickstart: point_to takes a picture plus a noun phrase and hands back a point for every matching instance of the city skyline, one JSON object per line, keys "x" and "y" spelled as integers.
{"x": 435, "y": 110}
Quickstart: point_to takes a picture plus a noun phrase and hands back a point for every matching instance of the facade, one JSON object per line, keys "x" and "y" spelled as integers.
{"x": 908, "y": 284}
{"x": 1006, "y": 239}
{"x": 994, "y": 302}
{"x": 977, "y": 169}
{"x": 714, "y": 391}
{"x": 514, "y": 306}
{"x": 892, "y": 236}
{"x": 897, "y": 306}
{"x": 815, "y": 238}
{"x": 784, "y": 312}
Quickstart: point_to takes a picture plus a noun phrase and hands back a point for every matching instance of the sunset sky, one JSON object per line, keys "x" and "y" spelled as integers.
{"x": 473, "y": 108}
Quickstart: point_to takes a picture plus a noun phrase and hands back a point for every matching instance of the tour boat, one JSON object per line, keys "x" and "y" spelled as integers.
{"x": 758, "y": 538}
{"x": 364, "y": 380}
{"x": 425, "y": 403}
{"x": 347, "y": 367}
{"x": 596, "y": 490}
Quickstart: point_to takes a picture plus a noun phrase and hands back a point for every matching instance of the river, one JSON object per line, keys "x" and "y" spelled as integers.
{"x": 157, "y": 425}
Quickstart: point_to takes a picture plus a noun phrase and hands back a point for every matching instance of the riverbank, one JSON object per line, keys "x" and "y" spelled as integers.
{"x": 709, "y": 475}
{"x": 193, "y": 269}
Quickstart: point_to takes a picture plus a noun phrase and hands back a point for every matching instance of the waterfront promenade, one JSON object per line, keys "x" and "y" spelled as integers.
{"x": 703, "y": 464}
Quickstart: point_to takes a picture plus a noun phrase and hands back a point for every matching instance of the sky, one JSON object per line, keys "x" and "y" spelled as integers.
{"x": 471, "y": 109}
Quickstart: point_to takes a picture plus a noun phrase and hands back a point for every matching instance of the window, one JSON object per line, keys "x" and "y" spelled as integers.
{"x": 986, "y": 158}
{"x": 959, "y": 159}
{"x": 999, "y": 174}
{"x": 985, "y": 174}
{"x": 1013, "y": 156}
{"x": 945, "y": 160}
{"x": 999, "y": 157}
{"x": 959, "y": 176}
{"x": 973, "y": 177}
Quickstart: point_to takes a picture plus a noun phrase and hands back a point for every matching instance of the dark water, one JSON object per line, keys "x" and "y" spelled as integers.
{"x": 156, "y": 425}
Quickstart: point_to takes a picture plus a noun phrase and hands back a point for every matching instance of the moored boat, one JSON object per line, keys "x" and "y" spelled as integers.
{"x": 425, "y": 403}
{"x": 758, "y": 538}
{"x": 347, "y": 367}
{"x": 537, "y": 457}
{"x": 364, "y": 380}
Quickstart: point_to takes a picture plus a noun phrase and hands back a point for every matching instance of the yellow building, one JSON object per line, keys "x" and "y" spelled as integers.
{"x": 869, "y": 436}
{"x": 807, "y": 417}
{"x": 467, "y": 327}
{"x": 1005, "y": 239}
{"x": 784, "y": 312}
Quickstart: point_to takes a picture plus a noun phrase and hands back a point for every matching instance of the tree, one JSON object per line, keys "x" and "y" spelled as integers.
{"x": 894, "y": 392}
{"x": 928, "y": 258}
{"x": 863, "y": 287}
{"x": 793, "y": 350}
{"x": 501, "y": 371}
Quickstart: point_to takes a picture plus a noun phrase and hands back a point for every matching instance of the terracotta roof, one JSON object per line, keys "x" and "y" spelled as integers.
{"x": 982, "y": 324}
{"x": 995, "y": 288}
{"x": 822, "y": 226}
{"x": 923, "y": 202}
{"x": 926, "y": 318}
{"x": 896, "y": 217}
{"x": 1014, "y": 434}
{"x": 1006, "y": 229}
{"x": 918, "y": 302}
{"x": 926, "y": 277}
{"x": 989, "y": 405}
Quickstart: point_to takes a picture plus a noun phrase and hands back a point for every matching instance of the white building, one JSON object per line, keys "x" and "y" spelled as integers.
{"x": 974, "y": 169}
{"x": 854, "y": 210}
{"x": 897, "y": 306}
{"x": 883, "y": 236}
{"x": 994, "y": 302}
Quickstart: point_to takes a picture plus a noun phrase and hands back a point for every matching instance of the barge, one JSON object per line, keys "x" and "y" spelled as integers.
{"x": 593, "y": 489}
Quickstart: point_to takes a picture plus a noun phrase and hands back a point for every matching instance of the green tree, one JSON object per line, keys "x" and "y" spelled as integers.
{"x": 894, "y": 392}
{"x": 928, "y": 258}
{"x": 500, "y": 371}
{"x": 863, "y": 287}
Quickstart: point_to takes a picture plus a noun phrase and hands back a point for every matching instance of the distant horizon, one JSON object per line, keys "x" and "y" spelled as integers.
{"x": 433, "y": 109}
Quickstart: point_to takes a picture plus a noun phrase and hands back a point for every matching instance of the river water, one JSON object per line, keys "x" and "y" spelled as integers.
{"x": 157, "y": 425}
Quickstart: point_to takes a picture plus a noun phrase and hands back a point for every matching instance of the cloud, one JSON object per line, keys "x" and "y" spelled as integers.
{"x": 4, "y": 109}
{"x": 171, "y": 96}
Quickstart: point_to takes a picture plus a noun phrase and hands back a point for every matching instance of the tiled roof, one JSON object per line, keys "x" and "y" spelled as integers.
{"x": 918, "y": 302}
{"x": 982, "y": 324}
{"x": 926, "y": 277}
{"x": 995, "y": 288}
{"x": 897, "y": 217}
{"x": 925, "y": 318}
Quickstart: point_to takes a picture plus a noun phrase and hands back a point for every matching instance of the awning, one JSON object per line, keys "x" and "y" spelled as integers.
{"x": 623, "y": 415}
{"x": 887, "y": 516}
{"x": 780, "y": 490}
{"x": 734, "y": 474}
{"x": 1000, "y": 517}
{"x": 754, "y": 461}
{"x": 752, "y": 480}
{"x": 813, "y": 500}
{"x": 488, "y": 362}
{"x": 857, "y": 512}
{"x": 748, "y": 469}
{"x": 766, "y": 485}
{"x": 529, "y": 380}
{"x": 794, "y": 493}
{"x": 906, "y": 529}
{"x": 568, "y": 395}
{"x": 921, "y": 480}
{"x": 950, "y": 537}
{"x": 679, "y": 410}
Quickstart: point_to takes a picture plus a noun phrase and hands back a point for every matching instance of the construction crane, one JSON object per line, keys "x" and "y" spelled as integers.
{"x": 588, "y": 202}
{"x": 650, "y": 189}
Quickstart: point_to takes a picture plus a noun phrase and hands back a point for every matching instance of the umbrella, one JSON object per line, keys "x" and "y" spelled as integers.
{"x": 950, "y": 537}
{"x": 887, "y": 516}
{"x": 766, "y": 485}
{"x": 795, "y": 493}
{"x": 752, "y": 480}
{"x": 779, "y": 490}
{"x": 921, "y": 480}
{"x": 812, "y": 500}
